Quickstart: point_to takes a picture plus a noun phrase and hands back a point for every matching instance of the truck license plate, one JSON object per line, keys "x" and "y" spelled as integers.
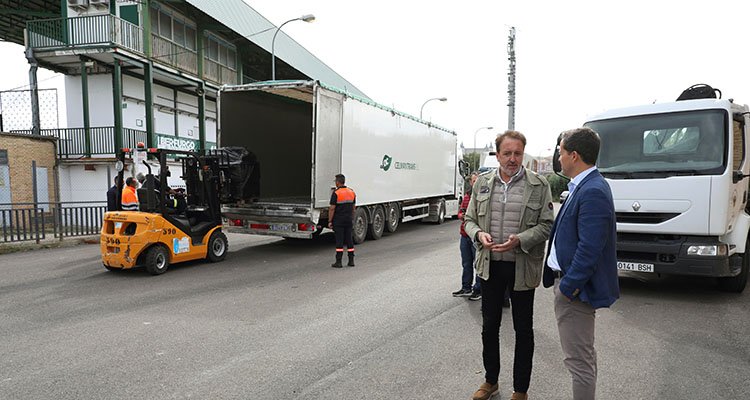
{"x": 633, "y": 266}
{"x": 281, "y": 227}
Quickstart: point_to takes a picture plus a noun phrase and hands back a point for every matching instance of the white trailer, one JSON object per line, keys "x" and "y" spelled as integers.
{"x": 303, "y": 133}
{"x": 678, "y": 173}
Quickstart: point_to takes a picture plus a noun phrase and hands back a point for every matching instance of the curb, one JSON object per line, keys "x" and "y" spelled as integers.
{"x": 15, "y": 247}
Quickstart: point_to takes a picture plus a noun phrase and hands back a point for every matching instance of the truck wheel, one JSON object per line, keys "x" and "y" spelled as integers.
{"x": 156, "y": 260}
{"x": 359, "y": 230}
{"x": 377, "y": 226}
{"x": 217, "y": 246}
{"x": 736, "y": 284}
{"x": 393, "y": 216}
{"x": 441, "y": 213}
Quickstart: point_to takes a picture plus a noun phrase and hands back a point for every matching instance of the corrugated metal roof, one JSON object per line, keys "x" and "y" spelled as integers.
{"x": 244, "y": 20}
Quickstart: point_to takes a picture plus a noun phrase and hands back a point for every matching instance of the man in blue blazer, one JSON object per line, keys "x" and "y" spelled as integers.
{"x": 581, "y": 257}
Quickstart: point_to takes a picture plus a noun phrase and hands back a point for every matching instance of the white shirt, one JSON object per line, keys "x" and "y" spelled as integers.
{"x": 552, "y": 259}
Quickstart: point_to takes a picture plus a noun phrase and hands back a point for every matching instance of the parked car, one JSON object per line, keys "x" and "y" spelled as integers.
{"x": 563, "y": 196}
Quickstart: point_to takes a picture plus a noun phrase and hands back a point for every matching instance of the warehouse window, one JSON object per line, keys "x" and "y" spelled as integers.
{"x": 221, "y": 52}
{"x": 173, "y": 27}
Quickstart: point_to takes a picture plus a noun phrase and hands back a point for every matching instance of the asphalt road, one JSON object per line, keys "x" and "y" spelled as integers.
{"x": 275, "y": 321}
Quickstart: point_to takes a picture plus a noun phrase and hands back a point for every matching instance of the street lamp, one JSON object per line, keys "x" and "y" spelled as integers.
{"x": 306, "y": 18}
{"x": 475, "y": 143}
{"x": 436, "y": 98}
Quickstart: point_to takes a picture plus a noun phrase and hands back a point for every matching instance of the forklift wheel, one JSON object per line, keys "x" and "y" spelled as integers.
{"x": 217, "y": 246}
{"x": 111, "y": 268}
{"x": 156, "y": 260}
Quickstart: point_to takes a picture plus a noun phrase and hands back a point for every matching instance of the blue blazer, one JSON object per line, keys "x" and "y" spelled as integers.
{"x": 585, "y": 234}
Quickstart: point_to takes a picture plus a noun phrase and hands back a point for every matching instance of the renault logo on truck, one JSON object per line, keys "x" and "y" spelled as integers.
{"x": 636, "y": 206}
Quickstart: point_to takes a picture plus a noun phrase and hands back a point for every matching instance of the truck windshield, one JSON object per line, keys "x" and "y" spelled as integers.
{"x": 661, "y": 145}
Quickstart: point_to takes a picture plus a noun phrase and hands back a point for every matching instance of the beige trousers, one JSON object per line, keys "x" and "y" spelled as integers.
{"x": 575, "y": 322}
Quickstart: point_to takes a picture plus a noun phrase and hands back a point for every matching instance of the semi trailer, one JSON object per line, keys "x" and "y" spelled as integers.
{"x": 302, "y": 133}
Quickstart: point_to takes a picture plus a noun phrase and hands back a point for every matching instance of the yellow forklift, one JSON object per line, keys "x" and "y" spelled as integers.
{"x": 168, "y": 227}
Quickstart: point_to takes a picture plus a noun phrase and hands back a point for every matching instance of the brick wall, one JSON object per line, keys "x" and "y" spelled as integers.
{"x": 22, "y": 150}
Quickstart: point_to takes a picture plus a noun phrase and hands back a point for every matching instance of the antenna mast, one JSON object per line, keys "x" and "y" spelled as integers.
{"x": 512, "y": 79}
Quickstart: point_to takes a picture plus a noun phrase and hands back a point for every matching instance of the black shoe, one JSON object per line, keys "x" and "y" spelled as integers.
{"x": 506, "y": 303}
{"x": 351, "y": 261}
{"x": 462, "y": 293}
{"x": 475, "y": 296}
{"x": 337, "y": 264}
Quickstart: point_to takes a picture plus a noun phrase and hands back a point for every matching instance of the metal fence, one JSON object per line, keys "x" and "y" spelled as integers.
{"x": 21, "y": 222}
{"x": 76, "y": 143}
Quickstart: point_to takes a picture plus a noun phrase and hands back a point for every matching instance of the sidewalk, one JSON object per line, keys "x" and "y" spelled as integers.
{"x": 48, "y": 243}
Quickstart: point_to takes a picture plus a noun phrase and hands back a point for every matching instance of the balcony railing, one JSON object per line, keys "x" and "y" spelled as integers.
{"x": 174, "y": 55}
{"x": 92, "y": 30}
{"x": 75, "y": 143}
{"x": 107, "y": 30}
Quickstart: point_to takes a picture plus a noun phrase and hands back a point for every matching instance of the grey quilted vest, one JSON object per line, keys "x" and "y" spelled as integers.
{"x": 506, "y": 203}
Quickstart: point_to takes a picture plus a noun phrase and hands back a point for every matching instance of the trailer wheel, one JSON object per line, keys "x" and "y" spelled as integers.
{"x": 359, "y": 230}
{"x": 156, "y": 260}
{"x": 736, "y": 284}
{"x": 217, "y": 246}
{"x": 377, "y": 225}
{"x": 393, "y": 217}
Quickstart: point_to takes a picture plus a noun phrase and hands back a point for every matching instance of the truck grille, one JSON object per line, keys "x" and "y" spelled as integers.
{"x": 644, "y": 218}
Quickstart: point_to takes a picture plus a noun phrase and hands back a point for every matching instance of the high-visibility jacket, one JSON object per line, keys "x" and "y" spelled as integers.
{"x": 344, "y": 199}
{"x": 129, "y": 199}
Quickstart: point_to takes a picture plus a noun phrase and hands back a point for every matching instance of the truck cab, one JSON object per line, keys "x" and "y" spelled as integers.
{"x": 679, "y": 178}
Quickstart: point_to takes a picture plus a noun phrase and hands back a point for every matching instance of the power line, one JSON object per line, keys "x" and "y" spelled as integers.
{"x": 27, "y": 85}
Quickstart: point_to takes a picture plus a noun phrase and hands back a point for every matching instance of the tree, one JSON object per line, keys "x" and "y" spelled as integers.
{"x": 472, "y": 159}
{"x": 557, "y": 185}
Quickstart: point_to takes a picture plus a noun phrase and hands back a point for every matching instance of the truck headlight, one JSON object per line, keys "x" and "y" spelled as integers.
{"x": 714, "y": 250}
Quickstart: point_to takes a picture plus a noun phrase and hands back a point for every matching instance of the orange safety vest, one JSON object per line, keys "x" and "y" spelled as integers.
{"x": 129, "y": 199}
{"x": 344, "y": 195}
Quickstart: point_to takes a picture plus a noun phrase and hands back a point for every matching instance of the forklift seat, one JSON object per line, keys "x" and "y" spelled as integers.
{"x": 147, "y": 203}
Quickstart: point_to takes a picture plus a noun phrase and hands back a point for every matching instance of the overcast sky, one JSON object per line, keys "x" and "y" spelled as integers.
{"x": 575, "y": 58}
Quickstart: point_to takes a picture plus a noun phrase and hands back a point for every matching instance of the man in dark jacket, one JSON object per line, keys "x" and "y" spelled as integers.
{"x": 468, "y": 252}
{"x": 341, "y": 220}
{"x": 112, "y": 197}
{"x": 581, "y": 261}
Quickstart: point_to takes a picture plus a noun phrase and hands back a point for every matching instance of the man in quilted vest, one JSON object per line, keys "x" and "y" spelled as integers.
{"x": 509, "y": 218}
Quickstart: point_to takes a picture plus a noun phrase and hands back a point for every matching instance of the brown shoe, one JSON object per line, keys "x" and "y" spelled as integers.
{"x": 519, "y": 396}
{"x": 485, "y": 391}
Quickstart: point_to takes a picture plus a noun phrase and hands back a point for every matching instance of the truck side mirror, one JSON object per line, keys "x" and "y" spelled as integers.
{"x": 737, "y": 176}
{"x": 556, "y": 157}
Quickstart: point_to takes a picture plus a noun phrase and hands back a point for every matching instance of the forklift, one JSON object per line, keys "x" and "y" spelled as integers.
{"x": 168, "y": 227}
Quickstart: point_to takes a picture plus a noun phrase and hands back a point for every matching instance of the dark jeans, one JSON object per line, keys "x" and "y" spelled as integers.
{"x": 343, "y": 236}
{"x": 468, "y": 252}
{"x": 502, "y": 276}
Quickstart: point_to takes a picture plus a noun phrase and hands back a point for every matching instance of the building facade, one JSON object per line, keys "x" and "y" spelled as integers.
{"x": 147, "y": 71}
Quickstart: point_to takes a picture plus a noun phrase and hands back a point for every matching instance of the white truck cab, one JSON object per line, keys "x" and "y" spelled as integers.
{"x": 679, "y": 178}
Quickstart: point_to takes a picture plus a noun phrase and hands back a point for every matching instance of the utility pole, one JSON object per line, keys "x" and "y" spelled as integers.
{"x": 512, "y": 79}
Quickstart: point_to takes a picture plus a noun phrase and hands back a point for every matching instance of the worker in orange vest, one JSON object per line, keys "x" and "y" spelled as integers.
{"x": 129, "y": 197}
{"x": 341, "y": 220}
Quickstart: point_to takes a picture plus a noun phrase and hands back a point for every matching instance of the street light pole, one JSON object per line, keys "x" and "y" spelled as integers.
{"x": 475, "y": 144}
{"x": 423, "y": 104}
{"x": 306, "y": 18}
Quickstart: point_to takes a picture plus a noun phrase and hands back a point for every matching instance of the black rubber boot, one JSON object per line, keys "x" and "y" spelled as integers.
{"x": 351, "y": 259}
{"x": 339, "y": 256}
